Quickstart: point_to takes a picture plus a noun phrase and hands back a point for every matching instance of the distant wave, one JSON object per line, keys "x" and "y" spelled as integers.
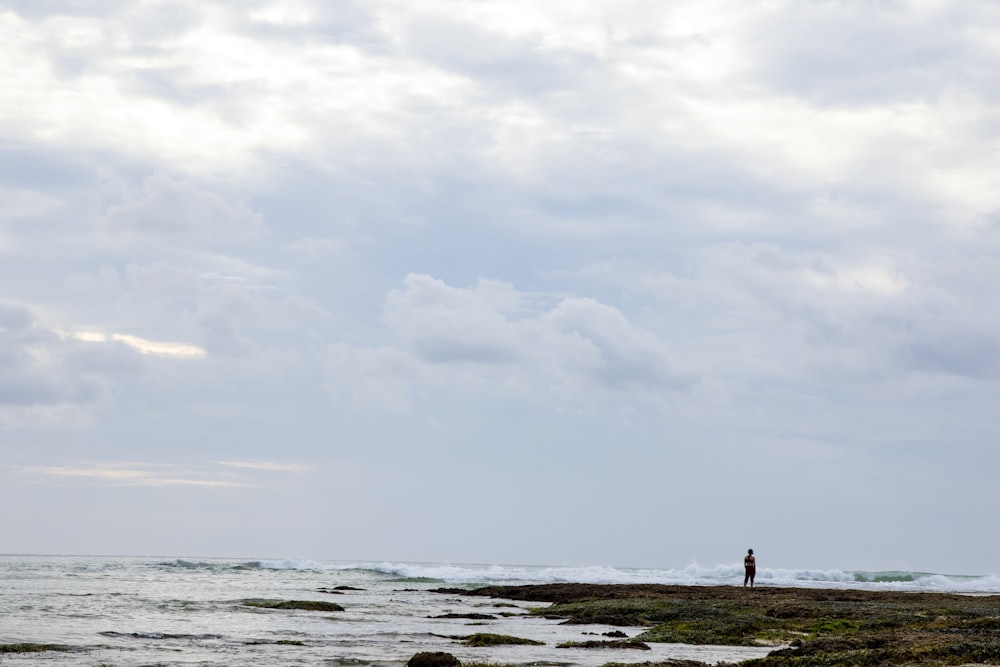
{"x": 692, "y": 575}
{"x": 182, "y": 564}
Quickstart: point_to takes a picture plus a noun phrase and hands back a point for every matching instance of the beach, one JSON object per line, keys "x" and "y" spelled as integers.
{"x": 130, "y": 611}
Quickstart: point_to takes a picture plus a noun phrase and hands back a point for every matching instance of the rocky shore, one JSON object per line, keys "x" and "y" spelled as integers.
{"x": 806, "y": 626}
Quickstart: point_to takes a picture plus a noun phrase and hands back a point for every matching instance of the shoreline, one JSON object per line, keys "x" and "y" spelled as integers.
{"x": 561, "y": 592}
{"x": 810, "y": 626}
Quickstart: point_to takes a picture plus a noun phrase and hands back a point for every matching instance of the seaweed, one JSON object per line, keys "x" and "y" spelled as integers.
{"x": 811, "y": 627}
{"x": 28, "y": 647}
{"x": 305, "y": 605}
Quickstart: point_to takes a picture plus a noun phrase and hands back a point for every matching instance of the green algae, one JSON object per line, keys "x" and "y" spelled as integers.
{"x": 811, "y": 627}
{"x": 836, "y": 626}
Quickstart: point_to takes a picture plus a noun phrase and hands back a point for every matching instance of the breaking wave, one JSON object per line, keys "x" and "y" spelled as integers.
{"x": 692, "y": 575}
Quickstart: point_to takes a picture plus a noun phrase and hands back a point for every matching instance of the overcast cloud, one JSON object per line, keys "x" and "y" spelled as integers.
{"x": 628, "y": 283}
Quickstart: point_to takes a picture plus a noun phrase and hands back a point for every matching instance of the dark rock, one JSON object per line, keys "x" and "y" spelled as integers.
{"x": 616, "y": 633}
{"x": 32, "y": 648}
{"x": 305, "y": 605}
{"x": 339, "y": 590}
{"x": 475, "y": 617}
{"x": 489, "y": 639}
{"x": 605, "y": 644}
{"x": 436, "y": 659}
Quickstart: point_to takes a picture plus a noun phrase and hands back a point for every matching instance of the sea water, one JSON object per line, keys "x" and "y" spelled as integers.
{"x": 174, "y": 611}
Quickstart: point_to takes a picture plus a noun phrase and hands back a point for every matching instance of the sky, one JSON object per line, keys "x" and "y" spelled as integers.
{"x": 627, "y": 283}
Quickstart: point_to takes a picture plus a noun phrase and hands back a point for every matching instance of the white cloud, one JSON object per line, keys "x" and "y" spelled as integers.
{"x": 131, "y": 476}
{"x": 284, "y": 13}
{"x": 51, "y": 377}
{"x": 191, "y": 305}
{"x": 627, "y": 356}
{"x": 821, "y": 318}
{"x": 94, "y": 108}
{"x": 268, "y": 466}
{"x": 443, "y": 323}
{"x": 143, "y": 346}
{"x": 692, "y": 77}
{"x": 496, "y": 339}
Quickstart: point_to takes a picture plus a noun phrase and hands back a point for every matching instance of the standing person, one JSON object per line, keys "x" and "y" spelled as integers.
{"x": 750, "y": 565}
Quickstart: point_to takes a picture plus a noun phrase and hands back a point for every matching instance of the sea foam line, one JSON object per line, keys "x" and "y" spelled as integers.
{"x": 692, "y": 575}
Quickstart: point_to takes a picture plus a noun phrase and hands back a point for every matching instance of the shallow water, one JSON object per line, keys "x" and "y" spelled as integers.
{"x": 142, "y": 611}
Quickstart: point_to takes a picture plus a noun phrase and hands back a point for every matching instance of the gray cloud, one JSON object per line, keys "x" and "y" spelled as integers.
{"x": 35, "y": 10}
{"x": 181, "y": 212}
{"x": 451, "y": 331}
{"x": 969, "y": 354}
{"x": 441, "y": 323}
{"x": 34, "y": 368}
{"x": 514, "y": 65}
{"x": 14, "y": 318}
{"x": 627, "y": 355}
{"x": 347, "y": 22}
{"x": 865, "y": 54}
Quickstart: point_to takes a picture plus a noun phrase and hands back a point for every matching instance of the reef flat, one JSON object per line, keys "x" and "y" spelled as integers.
{"x": 806, "y": 626}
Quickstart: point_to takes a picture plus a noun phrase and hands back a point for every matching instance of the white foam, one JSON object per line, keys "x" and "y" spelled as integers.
{"x": 691, "y": 575}
{"x": 291, "y": 565}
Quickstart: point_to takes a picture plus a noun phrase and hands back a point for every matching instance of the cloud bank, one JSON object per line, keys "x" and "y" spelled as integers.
{"x": 710, "y": 256}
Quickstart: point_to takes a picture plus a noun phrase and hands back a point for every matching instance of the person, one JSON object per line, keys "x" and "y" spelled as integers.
{"x": 750, "y": 565}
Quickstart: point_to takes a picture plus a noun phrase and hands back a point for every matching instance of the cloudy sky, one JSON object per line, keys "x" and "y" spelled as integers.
{"x": 630, "y": 283}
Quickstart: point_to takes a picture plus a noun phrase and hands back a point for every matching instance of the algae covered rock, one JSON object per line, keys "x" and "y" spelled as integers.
{"x": 605, "y": 644}
{"x": 304, "y": 605}
{"x": 435, "y": 659}
{"x": 32, "y": 648}
{"x": 489, "y": 639}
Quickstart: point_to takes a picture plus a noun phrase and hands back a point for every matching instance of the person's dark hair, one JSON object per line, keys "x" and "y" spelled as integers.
{"x": 749, "y": 551}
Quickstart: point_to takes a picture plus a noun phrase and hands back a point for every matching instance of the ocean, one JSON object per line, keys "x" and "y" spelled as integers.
{"x": 191, "y": 611}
